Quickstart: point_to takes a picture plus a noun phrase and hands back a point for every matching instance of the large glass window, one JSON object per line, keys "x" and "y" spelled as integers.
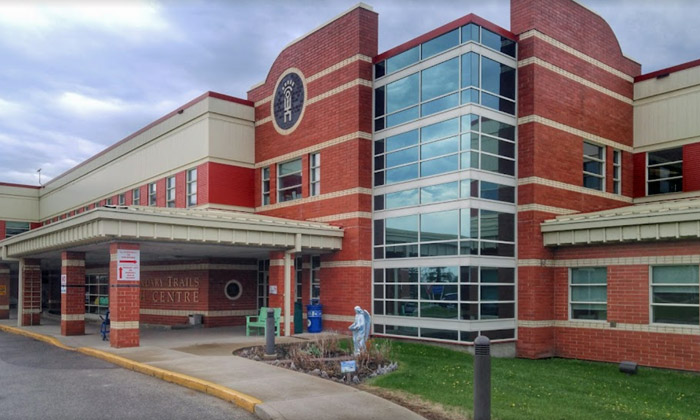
{"x": 135, "y": 197}
{"x": 170, "y": 192}
{"x": 588, "y": 294}
{"x": 289, "y": 180}
{"x": 15, "y": 228}
{"x": 617, "y": 171}
{"x": 315, "y": 279}
{"x": 192, "y": 187}
{"x": 435, "y": 149}
{"x": 674, "y": 294}
{"x": 298, "y": 270}
{"x": 665, "y": 171}
{"x": 121, "y": 199}
{"x": 263, "y": 282}
{"x": 593, "y": 166}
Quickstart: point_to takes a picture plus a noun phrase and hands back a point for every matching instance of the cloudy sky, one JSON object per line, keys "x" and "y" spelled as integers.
{"x": 78, "y": 76}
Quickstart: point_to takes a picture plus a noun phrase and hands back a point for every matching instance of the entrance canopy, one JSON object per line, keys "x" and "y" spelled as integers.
{"x": 172, "y": 234}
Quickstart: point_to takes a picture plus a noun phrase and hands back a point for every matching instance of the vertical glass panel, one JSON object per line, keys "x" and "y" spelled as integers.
{"x": 470, "y": 32}
{"x": 378, "y": 310}
{"x": 379, "y": 124}
{"x": 497, "y": 275}
{"x": 497, "y": 311}
{"x": 402, "y": 275}
{"x": 378, "y": 163}
{"x": 497, "y": 128}
{"x": 401, "y": 291}
{"x": 496, "y": 164}
{"x": 470, "y": 96}
{"x": 469, "y": 248}
{"x": 496, "y": 293}
{"x": 402, "y": 173}
{"x": 402, "y": 117}
{"x": 401, "y": 157}
{"x": 469, "y": 223}
{"x": 402, "y": 140}
{"x": 439, "y": 165}
{"x": 439, "y": 148}
{"x": 469, "y": 311}
{"x": 402, "y": 93}
{"x": 468, "y": 275}
{"x": 470, "y": 122}
{"x": 439, "y": 226}
{"x": 466, "y": 190}
{"x": 499, "y": 104}
{"x": 492, "y": 191}
{"x": 440, "y": 44}
{"x": 402, "y": 199}
{"x": 440, "y": 192}
{"x": 402, "y": 60}
{"x": 379, "y": 69}
{"x": 378, "y": 179}
{"x": 440, "y": 79}
{"x": 379, "y": 275}
{"x": 439, "y": 130}
{"x": 497, "y": 226}
{"x": 497, "y": 147}
{"x": 379, "y": 102}
{"x": 470, "y": 69}
{"x": 379, "y": 147}
{"x": 402, "y": 229}
{"x": 441, "y": 104}
{"x": 379, "y": 232}
{"x": 497, "y": 42}
{"x": 469, "y": 160}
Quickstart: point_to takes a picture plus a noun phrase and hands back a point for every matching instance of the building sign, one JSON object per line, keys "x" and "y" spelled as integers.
{"x": 348, "y": 367}
{"x": 64, "y": 283}
{"x": 288, "y": 101}
{"x": 128, "y": 264}
{"x": 180, "y": 290}
{"x": 273, "y": 290}
{"x": 3, "y": 290}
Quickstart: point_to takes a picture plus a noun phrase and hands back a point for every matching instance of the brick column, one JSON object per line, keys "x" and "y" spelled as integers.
{"x": 29, "y": 297}
{"x": 4, "y": 292}
{"x": 276, "y": 278}
{"x": 72, "y": 293}
{"x": 124, "y": 302}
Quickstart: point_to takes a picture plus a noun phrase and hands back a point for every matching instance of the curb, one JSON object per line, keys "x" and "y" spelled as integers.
{"x": 240, "y": 399}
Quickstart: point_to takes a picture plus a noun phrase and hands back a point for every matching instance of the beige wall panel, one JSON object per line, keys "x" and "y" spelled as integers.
{"x": 674, "y": 81}
{"x": 19, "y": 204}
{"x": 163, "y": 156}
{"x": 667, "y": 119}
{"x": 232, "y": 140}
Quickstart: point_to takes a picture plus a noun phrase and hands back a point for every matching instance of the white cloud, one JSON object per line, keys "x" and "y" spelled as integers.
{"x": 79, "y": 104}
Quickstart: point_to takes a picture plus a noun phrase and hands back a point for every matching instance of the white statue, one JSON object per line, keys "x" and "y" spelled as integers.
{"x": 360, "y": 330}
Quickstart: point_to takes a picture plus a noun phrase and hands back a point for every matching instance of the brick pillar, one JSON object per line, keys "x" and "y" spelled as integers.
{"x": 124, "y": 301}
{"x": 72, "y": 293}
{"x": 29, "y": 298}
{"x": 4, "y": 292}
{"x": 277, "y": 279}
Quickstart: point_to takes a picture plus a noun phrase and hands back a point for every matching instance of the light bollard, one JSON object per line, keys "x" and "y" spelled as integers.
{"x": 482, "y": 378}
{"x": 270, "y": 332}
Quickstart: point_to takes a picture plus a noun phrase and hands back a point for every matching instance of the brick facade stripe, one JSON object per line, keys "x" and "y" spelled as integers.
{"x": 574, "y": 188}
{"x": 545, "y": 209}
{"x": 124, "y": 325}
{"x": 175, "y": 312}
{"x": 73, "y": 263}
{"x": 575, "y": 78}
{"x": 338, "y": 264}
{"x": 315, "y": 148}
{"x": 548, "y": 39}
{"x": 343, "y": 216}
{"x": 72, "y": 317}
{"x": 597, "y": 262}
{"x": 359, "y": 190}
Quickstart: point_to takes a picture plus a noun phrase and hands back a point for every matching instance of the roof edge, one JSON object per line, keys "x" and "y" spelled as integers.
{"x": 667, "y": 71}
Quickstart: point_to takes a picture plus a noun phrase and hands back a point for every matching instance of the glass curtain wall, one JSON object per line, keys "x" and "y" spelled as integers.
{"x": 444, "y": 176}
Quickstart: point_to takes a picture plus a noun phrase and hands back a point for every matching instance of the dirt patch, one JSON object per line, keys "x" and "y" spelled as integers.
{"x": 427, "y": 409}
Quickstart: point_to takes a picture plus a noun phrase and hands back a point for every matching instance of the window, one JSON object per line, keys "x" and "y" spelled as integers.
{"x": 593, "y": 166}
{"x": 136, "y": 197}
{"x": 122, "y": 199}
{"x": 266, "y": 186}
{"x": 588, "y": 295}
{"x": 315, "y": 279}
{"x": 263, "y": 282}
{"x": 108, "y": 202}
{"x": 665, "y": 171}
{"x": 674, "y": 294}
{"x": 289, "y": 180}
{"x": 152, "y": 194}
{"x": 617, "y": 171}
{"x": 192, "y": 187}
{"x": 315, "y": 172}
{"x": 170, "y": 192}
{"x": 15, "y": 228}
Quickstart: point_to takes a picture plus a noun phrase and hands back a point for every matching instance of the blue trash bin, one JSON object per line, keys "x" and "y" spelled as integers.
{"x": 313, "y": 318}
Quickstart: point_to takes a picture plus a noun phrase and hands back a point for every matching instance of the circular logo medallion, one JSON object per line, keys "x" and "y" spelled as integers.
{"x": 288, "y": 101}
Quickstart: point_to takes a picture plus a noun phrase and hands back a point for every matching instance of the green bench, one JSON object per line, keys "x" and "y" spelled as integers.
{"x": 261, "y": 320}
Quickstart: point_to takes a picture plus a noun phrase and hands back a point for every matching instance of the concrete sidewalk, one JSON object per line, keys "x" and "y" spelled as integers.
{"x": 201, "y": 359}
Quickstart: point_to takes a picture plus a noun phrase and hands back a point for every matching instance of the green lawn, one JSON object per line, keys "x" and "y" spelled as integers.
{"x": 544, "y": 389}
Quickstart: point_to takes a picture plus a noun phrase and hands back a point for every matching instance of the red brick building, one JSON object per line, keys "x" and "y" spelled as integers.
{"x": 526, "y": 184}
